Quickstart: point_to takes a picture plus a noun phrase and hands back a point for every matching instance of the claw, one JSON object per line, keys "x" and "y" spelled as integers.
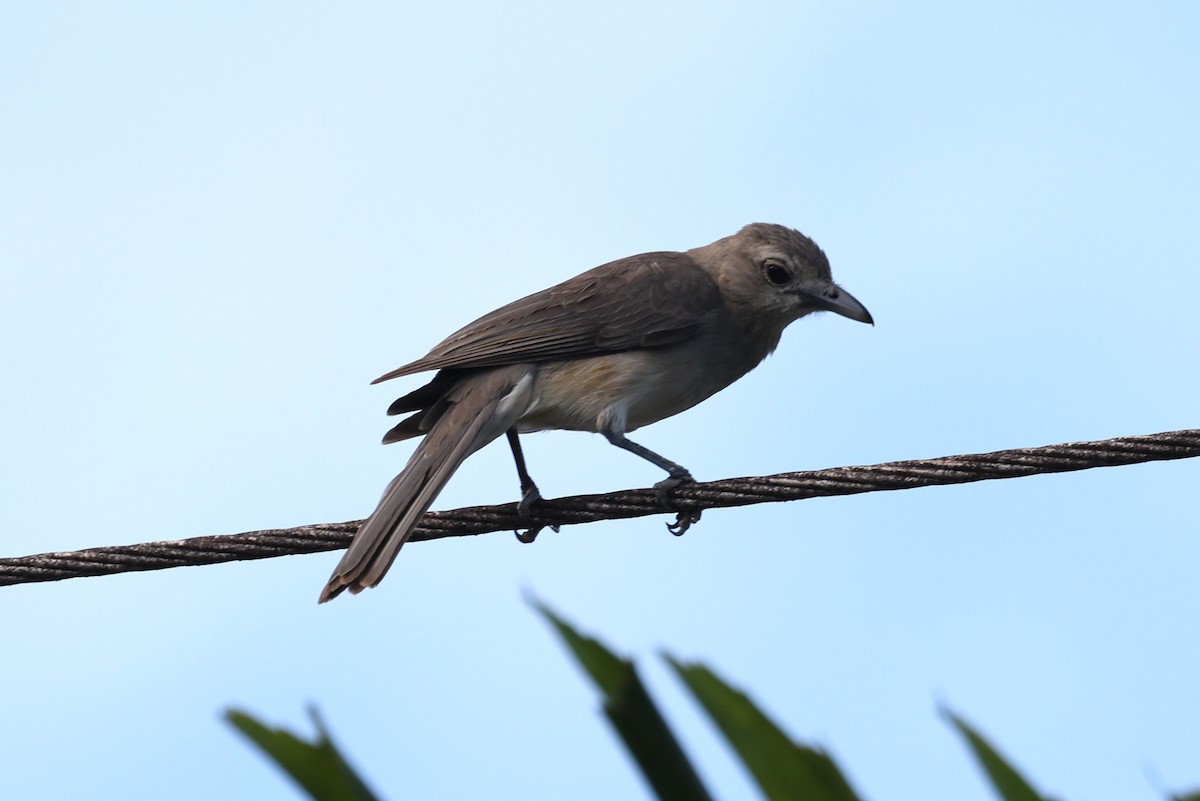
{"x": 529, "y": 497}
{"x": 684, "y": 518}
{"x": 528, "y": 536}
{"x": 683, "y": 521}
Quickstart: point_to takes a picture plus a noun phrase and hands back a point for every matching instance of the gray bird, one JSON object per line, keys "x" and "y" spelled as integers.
{"x": 616, "y": 348}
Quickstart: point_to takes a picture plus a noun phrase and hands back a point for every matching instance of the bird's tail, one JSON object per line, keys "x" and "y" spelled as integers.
{"x": 479, "y": 407}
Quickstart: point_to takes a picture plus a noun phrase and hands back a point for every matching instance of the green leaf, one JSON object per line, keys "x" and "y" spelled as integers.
{"x": 1192, "y": 796}
{"x": 633, "y": 714}
{"x": 318, "y": 767}
{"x": 782, "y": 768}
{"x": 1008, "y": 783}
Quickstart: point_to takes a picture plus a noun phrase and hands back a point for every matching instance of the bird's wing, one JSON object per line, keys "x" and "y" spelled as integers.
{"x": 645, "y": 301}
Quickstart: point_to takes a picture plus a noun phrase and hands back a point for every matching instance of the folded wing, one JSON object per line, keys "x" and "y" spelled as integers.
{"x": 645, "y": 301}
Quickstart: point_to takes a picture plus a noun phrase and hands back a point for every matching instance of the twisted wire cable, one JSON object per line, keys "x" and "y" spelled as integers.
{"x": 727, "y": 492}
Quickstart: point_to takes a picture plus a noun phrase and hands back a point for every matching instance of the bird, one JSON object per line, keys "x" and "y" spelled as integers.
{"x": 618, "y": 347}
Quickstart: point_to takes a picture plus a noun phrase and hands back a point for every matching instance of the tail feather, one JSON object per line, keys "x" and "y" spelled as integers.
{"x": 428, "y": 395}
{"x": 481, "y": 407}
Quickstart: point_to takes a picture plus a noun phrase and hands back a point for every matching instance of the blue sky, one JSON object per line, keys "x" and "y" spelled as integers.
{"x": 220, "y": 222}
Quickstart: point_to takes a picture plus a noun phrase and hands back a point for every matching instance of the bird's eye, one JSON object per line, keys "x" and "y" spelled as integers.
{"x": 776, "y": 274}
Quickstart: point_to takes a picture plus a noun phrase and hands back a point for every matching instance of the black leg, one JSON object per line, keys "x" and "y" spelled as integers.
{"x": 529, "y": 490}
{"x": 677, "y": 475}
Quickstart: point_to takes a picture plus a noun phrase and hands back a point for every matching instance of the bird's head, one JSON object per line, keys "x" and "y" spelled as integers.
{"x": 778, "y": 273}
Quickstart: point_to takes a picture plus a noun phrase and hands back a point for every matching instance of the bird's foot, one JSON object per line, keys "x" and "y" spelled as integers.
{"x": 684, "y": 518}
{"x": 676, "y": 479}
{"x": 529, "y": 496}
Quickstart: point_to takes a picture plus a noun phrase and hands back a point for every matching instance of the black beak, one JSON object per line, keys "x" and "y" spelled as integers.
{"x": 837, "y": 300}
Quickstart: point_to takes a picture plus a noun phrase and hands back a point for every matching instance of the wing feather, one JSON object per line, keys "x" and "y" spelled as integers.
{"x": 646, "y": 301}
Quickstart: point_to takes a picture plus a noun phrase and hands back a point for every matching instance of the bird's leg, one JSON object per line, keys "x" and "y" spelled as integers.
{"x": 529, "y": 490}
{"x": 677, "y": 475}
